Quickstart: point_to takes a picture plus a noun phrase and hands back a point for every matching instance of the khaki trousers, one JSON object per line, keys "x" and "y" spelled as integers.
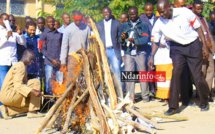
{"x": 17, "y": 103}
{"x": 208, "y": 70}
{"x": 139, "y": 61}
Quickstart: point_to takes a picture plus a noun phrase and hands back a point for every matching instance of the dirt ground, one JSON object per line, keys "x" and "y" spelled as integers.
{"x": 198, "y": 123}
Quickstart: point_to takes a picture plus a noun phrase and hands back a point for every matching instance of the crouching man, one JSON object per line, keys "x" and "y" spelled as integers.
{"x": 19, "y": 95}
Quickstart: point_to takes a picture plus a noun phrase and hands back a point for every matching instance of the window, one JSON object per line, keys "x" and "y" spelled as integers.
{"x": 2, "y": 6}
{"x": 17, "y": 7}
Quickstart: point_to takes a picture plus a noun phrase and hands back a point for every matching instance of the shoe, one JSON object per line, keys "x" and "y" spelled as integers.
{"x": 145, "y": 99}
{"x": 210, "y": 99}
{"x": 152, "y": 96}
{"x": 4, "y": 113}
{"x": 204, "y": 107}
{"x": 32, "y": 115}
{"x": 190, "y": 103}
{"x": 171, "y": 111}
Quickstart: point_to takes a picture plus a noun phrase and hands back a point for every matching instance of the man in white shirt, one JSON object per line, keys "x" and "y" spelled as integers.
{"x": 8, "y": 48}
{"x": 182, "y": 29}
{"x": 109, "y": 30}
{"x": 40, "y": 25}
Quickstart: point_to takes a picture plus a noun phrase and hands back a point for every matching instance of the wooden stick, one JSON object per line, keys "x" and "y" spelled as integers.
{"x": 59, "y": 101}
{"x": 117, "y": 85}
{"x": 142, "y": 117}
{"x": 79, "y": 100}
{"x": 116, "y": 125}
{"x": 54, "y": 118}
{"x": 69, "y": 112}
{"x": 177, "y": 118}
{"x": 100, "y": 68}
{"x": 54, "y": 108}
{"x": 138, "y": 125}
{"x": 93, "y": 95}
{"x": 51, "y": 96}
{"x": 107, "y": 74}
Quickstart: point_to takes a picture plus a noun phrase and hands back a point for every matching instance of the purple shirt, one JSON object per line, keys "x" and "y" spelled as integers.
{"x": 52, "y": 46}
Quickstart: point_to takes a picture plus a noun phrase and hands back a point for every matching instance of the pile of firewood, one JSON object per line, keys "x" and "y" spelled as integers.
{"x": 93, "y": 100}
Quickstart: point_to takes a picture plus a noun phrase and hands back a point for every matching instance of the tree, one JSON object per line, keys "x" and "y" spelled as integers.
{"x": 94, "y": 8}
{"x": 87, "y": 7}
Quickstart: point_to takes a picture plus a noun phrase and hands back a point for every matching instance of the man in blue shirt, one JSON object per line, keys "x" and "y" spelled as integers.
{"x": 51, "y": 47}
{"x": 35, "y": 70}
{"x": 66, "y": 21}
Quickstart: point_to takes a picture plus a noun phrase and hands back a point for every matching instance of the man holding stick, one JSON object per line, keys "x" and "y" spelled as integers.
{"x": 19, "y": 95}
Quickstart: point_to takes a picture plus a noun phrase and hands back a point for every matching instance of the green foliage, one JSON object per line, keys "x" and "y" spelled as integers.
{"x": 87, "y": 7}
{"x": 122, "y": 6}
{"x": 94, "y": 8}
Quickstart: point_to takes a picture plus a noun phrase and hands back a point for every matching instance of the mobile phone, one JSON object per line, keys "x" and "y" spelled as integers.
{"x": 14, "y": 28}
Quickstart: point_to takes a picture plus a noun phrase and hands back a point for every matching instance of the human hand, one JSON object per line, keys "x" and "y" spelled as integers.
{"x": 18, "y": 30}
{"x": 36, "y": 93}
{"x": 162, "y": 45}
{"x": 131, "y": 40}
{"x": 151, "y": 63}
{"x": 55, "y": 62}
{"x": 205, "y": 53}
{"x": 9, "y": 33}
{"x": 123, "y": 35}
{"x": 123, "y": 58}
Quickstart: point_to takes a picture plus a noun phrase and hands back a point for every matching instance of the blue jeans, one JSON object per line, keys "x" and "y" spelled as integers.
{"x": 3, "y": 72}
{"x": 52, "y": 73}
{"x": 114, "y": 62}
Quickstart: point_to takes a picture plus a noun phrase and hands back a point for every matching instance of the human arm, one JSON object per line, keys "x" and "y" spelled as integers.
{"x": 151, "y": 58}
{"x": 20, "y": 37}
{"x": 36, "y": 93}
{"x": 43, "y": 39}
{"x": 205, "y": 47}
{"x": 3, "y": 38}
{"x": 121, "y": 35}
{"x": 155, "y": 39}
{"x": 64, "y": 46}
{"x": 143, "y": 35}
{"x": 19, "y": 72}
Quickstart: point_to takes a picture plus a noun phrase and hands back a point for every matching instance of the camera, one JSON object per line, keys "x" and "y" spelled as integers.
{"x": 126, "y": 34}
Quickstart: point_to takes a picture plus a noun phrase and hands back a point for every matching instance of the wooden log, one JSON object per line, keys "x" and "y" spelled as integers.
{"x": 177, "y": 118}
{"x": 54, "y": 118}
{"x": 54, "y": 108}
{"x": 100, "y": 69}
{"x": 117, "y": 85}
{"x": 69, "y": 112}
{"x": 94, "y": 120}
{"x": 116, "y": 125}
{"x": 138, "y": 125}
{"x": 60, "y": 100}
{"x": 93, "y": 95}
{"x": 107, "y": 74}
{"x": 142, "y": 117}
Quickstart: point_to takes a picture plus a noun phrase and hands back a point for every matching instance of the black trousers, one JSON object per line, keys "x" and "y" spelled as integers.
{"x": 192, "y": 55}
{"x": 186, "y": 86}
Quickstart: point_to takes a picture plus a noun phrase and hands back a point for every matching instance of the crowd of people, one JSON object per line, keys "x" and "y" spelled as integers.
{"x": 177, "y": 40}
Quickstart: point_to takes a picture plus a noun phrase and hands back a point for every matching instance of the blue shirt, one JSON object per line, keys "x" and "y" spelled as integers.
{"x": 36, "y": 67}
{"x": 51, "y": 45}
{"x": 61, "y": 29}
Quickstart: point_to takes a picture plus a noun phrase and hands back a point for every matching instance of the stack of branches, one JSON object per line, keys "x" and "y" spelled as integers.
{"x": 94, "y": 94}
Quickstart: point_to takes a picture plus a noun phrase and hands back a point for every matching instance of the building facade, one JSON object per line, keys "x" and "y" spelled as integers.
{"x": 25, "y": 7}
